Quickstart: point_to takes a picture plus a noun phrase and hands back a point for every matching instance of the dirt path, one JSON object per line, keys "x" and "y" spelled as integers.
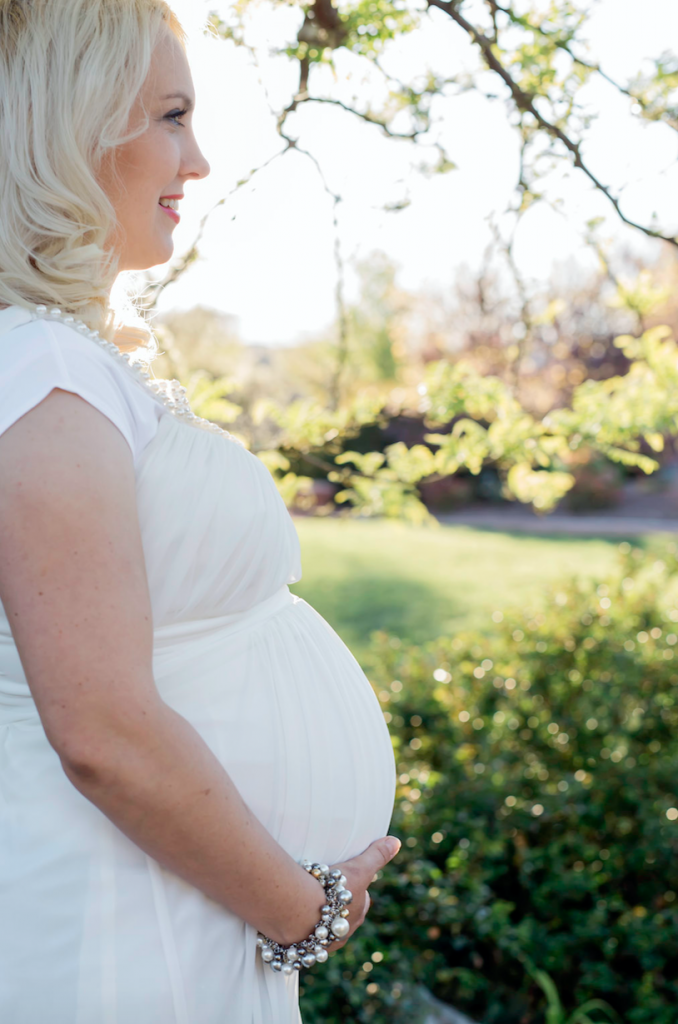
{"x": 525, "y": 521}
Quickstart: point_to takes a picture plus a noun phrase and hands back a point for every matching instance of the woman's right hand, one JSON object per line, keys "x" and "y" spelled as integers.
{"x": 360, "y": 872}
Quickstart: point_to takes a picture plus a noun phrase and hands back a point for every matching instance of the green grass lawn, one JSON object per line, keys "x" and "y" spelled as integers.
{"x": 419, "y": 583}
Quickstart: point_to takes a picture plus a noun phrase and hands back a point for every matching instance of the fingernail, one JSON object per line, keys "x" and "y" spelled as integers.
{"x": 394, "y": 845}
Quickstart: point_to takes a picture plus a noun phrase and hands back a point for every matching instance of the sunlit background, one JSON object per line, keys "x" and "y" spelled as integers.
{"x": 267, "y": 256}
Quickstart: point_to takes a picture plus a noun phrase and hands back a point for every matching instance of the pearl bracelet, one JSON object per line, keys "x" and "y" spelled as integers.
{"x": 331, "y": 926}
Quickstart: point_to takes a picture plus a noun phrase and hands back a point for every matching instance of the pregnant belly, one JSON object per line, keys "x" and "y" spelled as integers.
{"x": 286, "y": 709}
{"x": 290, "y": 715}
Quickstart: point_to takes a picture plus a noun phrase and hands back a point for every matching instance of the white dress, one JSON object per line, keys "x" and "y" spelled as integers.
{"x": 92, "y": 929}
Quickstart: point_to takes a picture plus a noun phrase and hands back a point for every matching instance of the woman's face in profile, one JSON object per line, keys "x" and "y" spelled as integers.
{"x": 155, "y": 166}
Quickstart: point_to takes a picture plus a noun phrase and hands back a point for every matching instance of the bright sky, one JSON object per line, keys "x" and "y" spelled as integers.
{"x": 267, "y": 255}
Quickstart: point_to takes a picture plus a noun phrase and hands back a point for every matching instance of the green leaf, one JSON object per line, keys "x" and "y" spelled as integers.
{"x": 542, "y": 488}
{"x": 366, "y": 463}
{"x": 274, "y": 460}
{"x": 410, "y": 464}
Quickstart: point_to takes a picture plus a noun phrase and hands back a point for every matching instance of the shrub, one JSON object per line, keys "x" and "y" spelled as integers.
{"x": 538, "y": 804}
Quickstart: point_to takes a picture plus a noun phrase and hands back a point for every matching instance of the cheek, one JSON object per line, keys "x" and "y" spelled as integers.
{"x": 152, "y": 166}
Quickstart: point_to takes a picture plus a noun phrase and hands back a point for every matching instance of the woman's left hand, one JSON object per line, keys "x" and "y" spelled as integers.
{"x": 360, "y": 872}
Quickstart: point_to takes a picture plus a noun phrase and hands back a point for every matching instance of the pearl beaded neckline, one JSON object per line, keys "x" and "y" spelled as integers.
{"x": 170, "y": 393}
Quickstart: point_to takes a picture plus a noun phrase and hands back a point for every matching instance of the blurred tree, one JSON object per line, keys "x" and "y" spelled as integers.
{"x": 375, "y": 345}
{"x": 197, "y": 338}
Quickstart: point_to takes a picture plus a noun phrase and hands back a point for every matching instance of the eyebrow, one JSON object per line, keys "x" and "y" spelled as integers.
{"x": 187, "y": 101}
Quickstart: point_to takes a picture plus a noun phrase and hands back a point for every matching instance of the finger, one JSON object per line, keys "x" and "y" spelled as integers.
{"x": 360, "y": 917}
{"x": 377, "y": 854}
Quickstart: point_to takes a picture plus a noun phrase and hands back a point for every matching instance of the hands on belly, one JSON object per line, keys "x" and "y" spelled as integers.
{"x": 360, "y": 872}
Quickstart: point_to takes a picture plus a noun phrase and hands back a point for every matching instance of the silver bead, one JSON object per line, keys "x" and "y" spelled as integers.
{"x": 321, "y": 932}
{"x": 308, "y": 960}
{"x": 297, "y": 965}
{"x": 324, "y": 870}
{"x": 276, "y": 965}
{"x": 343, "y": 913}
{"x": 342, "y": 882}
{"x": 287, "y": 969}
{"x": 321, "y": 954}
{"x": 345, "y": 895}
{"x": 336, "y": 873}
{"x": 327, "y": 909}
{"x": 340, "y": 927}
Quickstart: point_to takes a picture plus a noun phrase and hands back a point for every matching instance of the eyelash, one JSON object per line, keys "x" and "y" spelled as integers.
{"x": 175, "y": 115}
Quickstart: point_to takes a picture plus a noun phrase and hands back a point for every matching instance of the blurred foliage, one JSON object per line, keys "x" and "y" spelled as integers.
{"x": 472, "y": 418}
{"x": 538, "y": 810}
{"x": 556, "y": 1013}
{"x": 485, "y": 423}
{"x": 657, "y": 91}
{"x": 207, "y": 397}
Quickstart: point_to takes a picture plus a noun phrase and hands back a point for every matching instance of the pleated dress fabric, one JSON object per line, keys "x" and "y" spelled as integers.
{"x": 92, "y": 929}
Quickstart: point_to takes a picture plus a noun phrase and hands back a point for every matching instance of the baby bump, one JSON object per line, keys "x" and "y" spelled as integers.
{"x": 291, "y": 716}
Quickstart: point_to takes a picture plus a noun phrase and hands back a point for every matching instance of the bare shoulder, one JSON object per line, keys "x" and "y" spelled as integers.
{"x": 63, "y": 424}
{"x": 63, "y": 461}
{"x": 72, "y": 572}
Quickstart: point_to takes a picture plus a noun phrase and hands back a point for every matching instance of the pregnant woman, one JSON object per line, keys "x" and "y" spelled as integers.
{"x": 178, "y": 733}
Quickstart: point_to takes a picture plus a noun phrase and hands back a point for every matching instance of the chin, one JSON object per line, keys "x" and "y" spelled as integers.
{"x": 155, "y": 257}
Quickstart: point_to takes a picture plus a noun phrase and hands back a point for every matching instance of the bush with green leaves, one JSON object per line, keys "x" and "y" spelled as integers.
{"x": 538, "y": 807}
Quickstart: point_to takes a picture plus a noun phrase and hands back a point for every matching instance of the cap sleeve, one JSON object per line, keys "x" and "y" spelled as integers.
{"x": 41, "y": 355}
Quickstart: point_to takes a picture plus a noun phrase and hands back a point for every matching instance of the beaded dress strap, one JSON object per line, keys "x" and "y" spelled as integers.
{"x": 170, "y": 393}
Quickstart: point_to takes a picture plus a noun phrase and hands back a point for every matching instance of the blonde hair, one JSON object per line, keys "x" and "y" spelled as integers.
{"x": 70, "y": 71}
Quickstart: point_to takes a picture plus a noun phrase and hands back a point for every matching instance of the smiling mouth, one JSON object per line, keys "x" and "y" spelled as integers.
{"x": 170, "y": 207}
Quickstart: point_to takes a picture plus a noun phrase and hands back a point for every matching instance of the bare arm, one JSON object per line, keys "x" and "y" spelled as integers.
{"x": 74, "y": 587}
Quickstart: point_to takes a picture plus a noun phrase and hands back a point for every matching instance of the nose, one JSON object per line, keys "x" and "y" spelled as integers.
{"x": 203, "y": 166}
{"x": 195, "y": 164}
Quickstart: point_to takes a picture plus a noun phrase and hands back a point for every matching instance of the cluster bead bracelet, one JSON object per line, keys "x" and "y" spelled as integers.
{"x": 331, "y": 926}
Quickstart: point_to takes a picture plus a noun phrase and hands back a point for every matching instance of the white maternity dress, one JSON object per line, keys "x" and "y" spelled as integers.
{"x": 92, "y": 929}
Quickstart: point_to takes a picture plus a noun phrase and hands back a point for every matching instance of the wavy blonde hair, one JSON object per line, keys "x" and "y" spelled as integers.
{"x": 70, "y": 71}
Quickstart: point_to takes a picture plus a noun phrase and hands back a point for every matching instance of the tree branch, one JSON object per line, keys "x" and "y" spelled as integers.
{"x": 517, "y": 19}
{"x": 525, "y": 102}
{"x": 302, "y": 96}
{"x": 369, "y": 118}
